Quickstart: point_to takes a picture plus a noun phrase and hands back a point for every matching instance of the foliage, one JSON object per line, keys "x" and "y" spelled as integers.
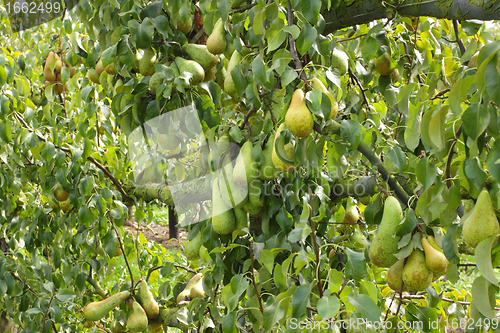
{"x": 427, "y": 136}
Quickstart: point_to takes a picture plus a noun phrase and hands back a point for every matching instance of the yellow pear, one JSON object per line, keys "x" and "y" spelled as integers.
{"x": 267, "y": 169}
{"x": 97, "y": 310}
{"x": 234, "y": 195}
{"x": 47, "y": 73}
{"x": 147, "y": 63}
{"x": 93, "y": 76}
{"x": 223, "y": 219}
{"x": 60, "y": 194}
{"x": 241, "y": 218}
{"x": 317, "y": 84}
{"x": 383, "y": 64}
{"x": 138, "y": 320}
{"x": 340, "y": 61}
{"x": 216, "y": 42}
{"x": 245, "y": 168}
{"x": 482, "y": 221}
{"x": 278, "y": 163}
{"x": 395, "y": 276}
{"x": 435, "y": 260}
{"x": 351, "y": 213}
{"x": 416, "y": 275}
{"x": 187, "y": 290}
{"x": 59, "y": 64}
{"x": 201, "y": 55}
{"x": 433, "y": 243}
{"x": 197, "y": 290}
{"x": 148, "y": 301}
{"x": 192, "y": 248}
{"x": 299, "y": 119}
{"x": 98, "y": 68}
{"x": 229, "y": 86}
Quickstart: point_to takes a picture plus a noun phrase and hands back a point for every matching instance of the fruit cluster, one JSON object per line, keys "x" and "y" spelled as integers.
{"x": 52, "y": 75}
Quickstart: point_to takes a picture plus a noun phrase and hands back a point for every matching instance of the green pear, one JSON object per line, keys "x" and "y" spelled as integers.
{"x": 155, "y": 82}
{"x": 59, "y": 64}
{"x": 97, "y": 310}
{"x": 66, "y": 205}
{"x": 229, "y": 86}
{"x": 187, "y": 290}
{"x": 148, "y": 301}
{"x": 241, "y": 218}
{"x": 220, "y": 77}
{"x": 395, "y": 276}
{"x": 251, "y": 209}
{"x": 183, "y": 26}
{"x": 192, "y": 67}
{"x": 223, "y": 219}
{"x": 351, "y": 212}
{"x": 385, "y": 243}
{"x": 433, "y": 243}
{"x": 60, "y": 194}
{"x": 395, "y": 75}
{"x": 54, "y": 204}
{"x": 111, "y": 69}
{"x": 435, "y": 260}
{"x": 416, "y": 275}
{"x": 340, "y": 61}
{"x": 255, "y": 196}
{"x": 201, "y": 55}
{"x": 298, "y": 118}
{"x": 216, "y": 42}
{"x": 48, "y": 74}
{"x": 267, "y": 169}
{"x": 93, "y": 76}
{"x": 192, "y": 248}
{"x": 138, "y": 320}
{"x": 210, "y": 74}
{"x": 147, "y": 63}
{"x": 234, "y": 195}
{"x": 245, "y": 168}
{"x": 98, "y": 68}
{"x": 197, "y": 290}
{"x": 317, "y": 84}
{"x": 278, "y": 163}
{"x": 383, "y": 64}
{"x": 481, "y": 222}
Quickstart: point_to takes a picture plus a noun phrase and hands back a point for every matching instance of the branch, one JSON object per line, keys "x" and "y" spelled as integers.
{"x": 365, "y": 99}
{"x": 242, "y": 8}
{"x": 293, "y": 48}
{"x": 253, "y": 276}
{"x": 316, "y": 249}
{"x": 250, "y": 112}
{"x": 123, "y": 251}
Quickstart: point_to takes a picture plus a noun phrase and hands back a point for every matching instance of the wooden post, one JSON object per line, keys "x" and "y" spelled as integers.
{"x": 172, "y": 223}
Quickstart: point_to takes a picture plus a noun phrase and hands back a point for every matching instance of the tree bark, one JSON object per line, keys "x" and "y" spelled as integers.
{"x": 353, "y": 12}
{"x": 172, "y": 223}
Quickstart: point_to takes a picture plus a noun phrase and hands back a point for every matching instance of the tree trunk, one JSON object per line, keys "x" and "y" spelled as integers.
{"x": 172, "y": 223}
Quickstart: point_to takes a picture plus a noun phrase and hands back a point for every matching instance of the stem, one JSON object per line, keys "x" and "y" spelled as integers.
{"x": 250, "y": 112}
{"x": 123, "y": 251}
{"x": 45, "y": 314}
{"x": 293, "y": 48}
{"x": 253, "y": 276}
{"x": 447, "y": 172}
{"x": 316, "y": 249}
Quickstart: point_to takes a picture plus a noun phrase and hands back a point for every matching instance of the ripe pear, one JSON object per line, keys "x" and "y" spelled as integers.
{"x": 48, "y": 75}
{"x": 148, "y": 301}
{"x": 481, "y": 222}
{"x": 255, "y": 196}
{"x": 229, "y": 86}
{"x": 192, "y": 248}
{"x": 66, "y": 205}
{"x": 234, "y": 195}
{"x": 267, "y": 169}
{"x": 278, "y": 163}
{"x": 98, "y": 68}
{"x": 192, "y": 67}
{"x": 416, "y": 275}
{"x": 317, "y": 84}
{"x": 60, "y": 194}
{"x": 210, "y": 74}
{"x": 395, "y": 276}
{"x": 299, "y": 119}
{"x": 138, "y": 320}
{"x": 385, "y": 243}
{"x": 197, "y": 290}
{"x": 155, "y": 82}
{"x": 241, "y": 218}
{"x": 340, "y": 61}
{"x": 383, "y": 64}
{"x": 187, "y": 290}
{"x": 147, "y": 63}
{"x": 183, "y": 26}
{"x": 93, "y": 76}
{"x": 54, "y": 204}
{"x": 97, "y": 310}
{"x": 60, "y": 88}
{"x": 433, "y": 243}
{"x": 223, "y": 219}
{"x": 245, "y": 168}
{"x": 435, "y": 260}
{"x": 59, "y": 64}
{"x": 201, "y": 55}
{"x": 351, "y": 213}
{"x": 216, "y": 42}
{"x": 395, "y": 75}
{"x": 111, "y": 69}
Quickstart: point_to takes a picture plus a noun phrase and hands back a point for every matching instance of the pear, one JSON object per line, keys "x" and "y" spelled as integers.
{"x": 148, "y": 302}
{"x": 204, "y": 255}
{"x": 60, "y": 88}
{"x": 201, "y": 55}
{"x": 192, "y": 67}
{"x": 299, "y": 119}
{"x": 317, "y": 84}
{"x": 183, "y": 26}
{"x": 229, "y": 86}
{"x": 60, "y": 194}
{"x": 54, "y": 204}
{"x": 351, "y": 213}
{"x": 241, "y": 218}
{"x": 383, "y": 64}
{"x": 216, "y": 42}
{"x": 435, "y": 260}
{"x": 187, "y": 290}
{"x": 111, "y": 69}
{"x": 192, "y": 248}
{"x": 155, "y": 82}
{"x": 433, "y": 243}
{"x": 340, "y": 61}
{"x": 234, "y": 195}
{"x": 255, "y": 196}
{"x": 395, "y": 276}
{"x": 59, "y": 64}
{"x": 93, "y": 76}
{"x": 220, "y": 77}
{"x": 66, "y": 205}
{"x": 48, "y": 75}
{"x": 97, "y": 310}
{"x": 416, "y": 275}
{"x": 210, "y": 74}
{"x": 481, "y": 222}
{"x": 278, "y": 163}
{"x": 245, "y": 168}
{"x": 385, "y": 243}
{"x": 395, "y": 75}
{"x": 473, "y": 60}
{"x": 197, "y": 290}
{"x": 223, "y": 219}
{"x": 267, "y": 169}
{"x": 98, "y": 68}
{"x": 251, "y": 209}
{"x": 138, "y": 320}
{"x": 147, "y": 63}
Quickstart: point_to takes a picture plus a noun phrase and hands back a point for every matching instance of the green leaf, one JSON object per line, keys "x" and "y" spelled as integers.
{"x": 480, "y": 297}
{"x": 311, "y": 10}
{"x": 365, "y": 306}
{"x": 482, "y": 256}
{"x": 65, "y": 295}
{"x": 275, "y": 35}
{"x": 409, "y": 223}
{"x": 267, "y": 259}
{"x": 109, "y": 56}
{"x": 474, "y": 172}
{"x": 404, "y": 98}
{"x": 142, "y": 32}
{"x": 426, "y": 172}
{"x": 437, "y": 127}
{"x": 492, "y": 79}
{"x": 306, "y": 38}
{"x": 5, "y": 130}
{"x": 476, "y": 119}
{"x": 397, "y": 157}
{"x": 229, "y": 322}
{"x": 493, "y": 161}
{"x": 259, "y": 69}
{"x": 351, "y": 131}
{"x": 272, "y": 314}
{"x": 300, "y": 299}
{"x": 458, "y": 94}
{"x": 328, "y": 306}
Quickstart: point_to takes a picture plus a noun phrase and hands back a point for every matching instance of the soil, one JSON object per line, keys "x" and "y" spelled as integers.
{"x": 157, "y": 233}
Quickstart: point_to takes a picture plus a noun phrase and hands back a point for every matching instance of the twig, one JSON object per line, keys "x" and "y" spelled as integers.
{"x": 185, "y": 268}
{"x": 250, "y": 112}
{"x": 316, "y": 249}
{"x": 293, "y": 48}
{"x": 45, "y": 314}
{"x": 352, "y": 38}
{"x": 447, "y": 172}
{"x": 253, "y": 276}
{"x": 441, "y": 93}
{"x": 123, "y": 251}
{"x": 355, "y": 78}
{"x": 459, "y": 41}
{"x": 197, "y": 36}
